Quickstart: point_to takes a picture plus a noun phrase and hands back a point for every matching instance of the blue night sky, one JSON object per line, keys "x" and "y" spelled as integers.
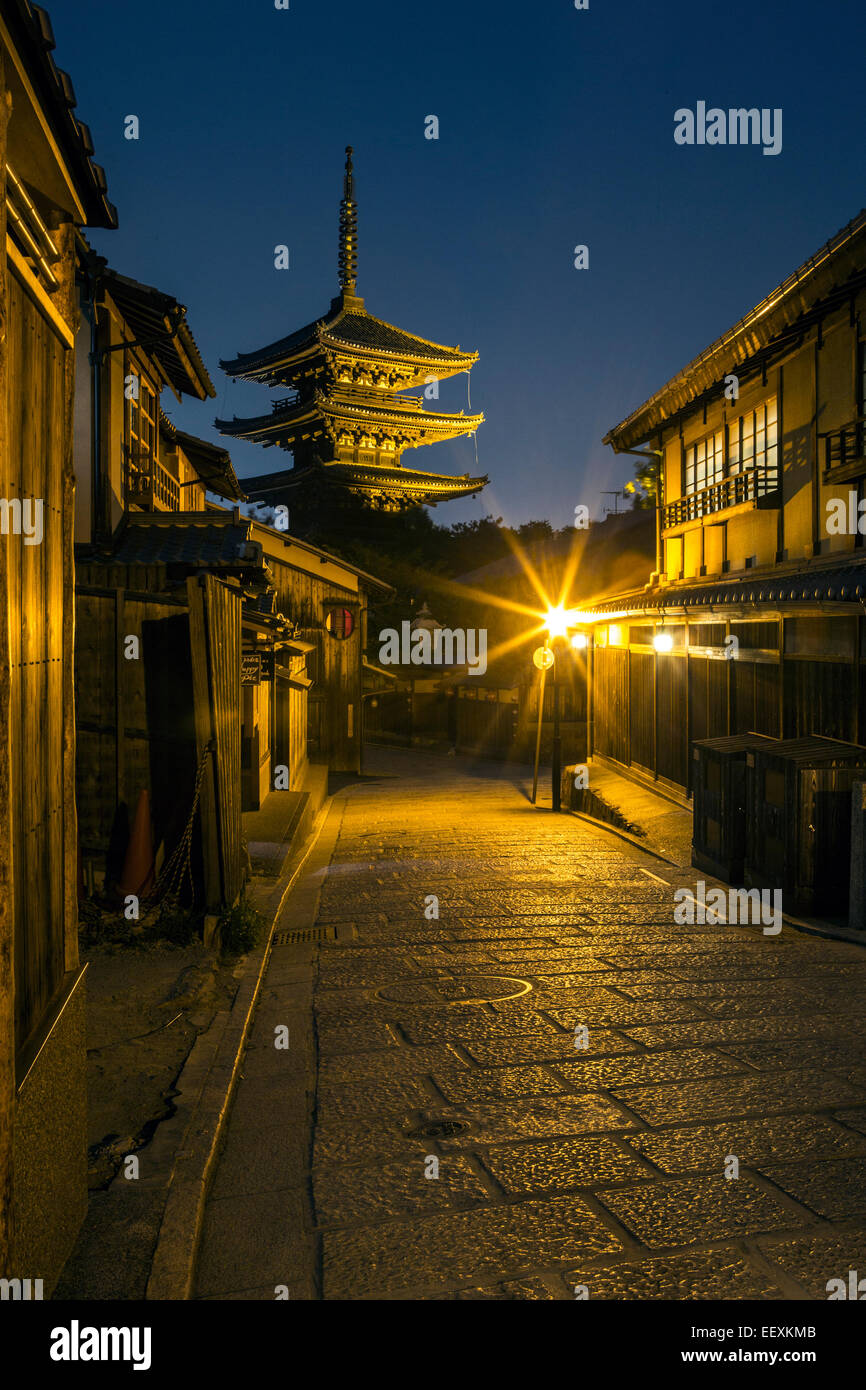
{"x": 556, "y": 128}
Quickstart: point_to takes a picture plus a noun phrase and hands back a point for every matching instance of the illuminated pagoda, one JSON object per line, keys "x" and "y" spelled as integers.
{"x": 345, "y": 421}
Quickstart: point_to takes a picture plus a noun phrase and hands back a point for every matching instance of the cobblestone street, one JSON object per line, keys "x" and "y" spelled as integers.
{"x": 420, "y": 1044}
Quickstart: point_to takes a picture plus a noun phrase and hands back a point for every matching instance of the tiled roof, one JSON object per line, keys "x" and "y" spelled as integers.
{"x": 841, "y": 583}
{"x": 160, "y": 322}
{"x": 360, "y": 329}
{"x": 213, "y": 464}
{"x": 357, "y": 329}
{"x": 31, "y": 32}
{"x": 267, "y": 485}
{"x": 190, "y": 541}
{"x": 830, "y": 271}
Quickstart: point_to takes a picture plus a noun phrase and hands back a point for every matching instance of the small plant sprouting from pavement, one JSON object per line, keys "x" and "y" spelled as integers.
{"x": 240, "y": 927}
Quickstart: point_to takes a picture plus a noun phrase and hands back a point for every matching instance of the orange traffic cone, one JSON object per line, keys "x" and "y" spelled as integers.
{"x": 138, "y": 866}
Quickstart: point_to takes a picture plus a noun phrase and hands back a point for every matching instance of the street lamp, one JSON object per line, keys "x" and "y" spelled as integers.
{"x": 557, "y": 622}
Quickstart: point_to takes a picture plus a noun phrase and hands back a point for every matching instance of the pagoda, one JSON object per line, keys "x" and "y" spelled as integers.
{"x": 345, "y": 420}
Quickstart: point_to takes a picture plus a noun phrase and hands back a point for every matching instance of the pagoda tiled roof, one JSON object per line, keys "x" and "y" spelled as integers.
{"x": 392, "y": 410}
{"x": 348, "y": 325}
{"x": 360, "y": 329}
{"x": 409, "y": 480}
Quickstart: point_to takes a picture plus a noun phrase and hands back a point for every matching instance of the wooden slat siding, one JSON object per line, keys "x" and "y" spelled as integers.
{"x": 292, "y": 724}
{"x": 134, "y": 719}
{"x": 67, "y": 302}
{"x": 717, "y": 699}
{"x": 671, "y": 719}
{"x": 224, "y": 654}
{"x": 215, "y": 644}
{"x": 612, "y": 703}
{"x": 742, "y": 697}
{"x": 641, "y": 708}
{"x": 306, "y": 600}
{"x": 98, "y": 670}
{"x": 819, "y": 698}
{"x": 38, "y": 416}
{"x": 96, "y": 763}
{"x": 7, "y": 891}
{"x": 767, "y": 681}
{"x": 203, "y": 736}
{"x": 123, "y": 793}
{"x": 699, "y": 704}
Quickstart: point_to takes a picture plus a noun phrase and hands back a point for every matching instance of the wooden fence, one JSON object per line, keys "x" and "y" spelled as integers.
{"x": 215, "y": 644}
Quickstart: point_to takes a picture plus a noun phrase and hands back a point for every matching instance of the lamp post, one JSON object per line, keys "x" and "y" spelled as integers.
{"x": 556, "y": 755}
{"x": 557, "y": 623}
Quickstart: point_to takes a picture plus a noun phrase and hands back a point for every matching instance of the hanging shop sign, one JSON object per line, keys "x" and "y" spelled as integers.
{"x": 251, "y": 668}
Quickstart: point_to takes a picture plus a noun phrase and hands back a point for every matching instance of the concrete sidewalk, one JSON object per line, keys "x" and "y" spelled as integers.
{"x": 511, "y": 1075}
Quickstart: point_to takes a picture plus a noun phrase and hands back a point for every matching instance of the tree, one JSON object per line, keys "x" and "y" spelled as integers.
{"x": 643, "y": 488}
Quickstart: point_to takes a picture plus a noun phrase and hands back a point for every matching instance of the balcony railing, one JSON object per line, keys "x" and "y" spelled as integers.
{"x": 846, "y": 446}
{"x": 756, "y": 485}
{"x": 149, "y": 484}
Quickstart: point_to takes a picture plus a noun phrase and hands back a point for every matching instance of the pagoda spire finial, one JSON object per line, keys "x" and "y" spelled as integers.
{"x": 348, "y": 257}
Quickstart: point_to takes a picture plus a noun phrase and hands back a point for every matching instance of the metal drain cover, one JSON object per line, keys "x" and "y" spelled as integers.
{"x": 443, "y": 989}
{"x": 437, "y": 1129}
{"x": 295, "y": 938}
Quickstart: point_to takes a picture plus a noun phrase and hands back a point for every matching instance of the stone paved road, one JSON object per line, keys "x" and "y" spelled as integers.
{"x": 421, "y": 1043}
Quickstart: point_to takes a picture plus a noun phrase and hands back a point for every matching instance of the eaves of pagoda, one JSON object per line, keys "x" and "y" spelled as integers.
{"x": 410, "y": 422}
{"x": 354, "y": 334}
{"x": 412, "y": 484}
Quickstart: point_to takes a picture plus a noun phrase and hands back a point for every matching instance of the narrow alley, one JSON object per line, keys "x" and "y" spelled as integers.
{"x": 487, "y": 1063}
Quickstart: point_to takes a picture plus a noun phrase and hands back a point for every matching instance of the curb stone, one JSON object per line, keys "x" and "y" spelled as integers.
{"x": 206, "y": 1086}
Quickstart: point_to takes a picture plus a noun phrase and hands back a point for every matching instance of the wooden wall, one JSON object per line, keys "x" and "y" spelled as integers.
{"x": 143, "y": 723}
{"x": 787, "y": 681}
{"x": 672, "y": 722}
{"x": 641, "y": 709}
{"x": 37, "y": 578}
{"x": 336, "y": 734}
{"x": 215, "y": 644}
{"x": 610, "y": 703}
{"x": 123, "y": 705}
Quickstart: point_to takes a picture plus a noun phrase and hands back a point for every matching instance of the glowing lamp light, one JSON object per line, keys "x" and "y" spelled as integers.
{"x": 556, "y": 621}
{"x": 663, "y": 642}
{"x": 614, "y": 635}
{"x": 578, "y": 641}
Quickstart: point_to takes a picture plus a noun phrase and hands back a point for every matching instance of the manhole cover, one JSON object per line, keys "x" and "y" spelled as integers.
{"x": 437, "y": 1129}
{"x": 442, "y": 989}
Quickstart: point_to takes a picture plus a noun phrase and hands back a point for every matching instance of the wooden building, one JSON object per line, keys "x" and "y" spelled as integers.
{"x": 346, "y": 419}
{"x": 753, "y": 619}
{"x": 215, "y": 653}
{"x": 159, "y": 637}
{"x": 48, "y": 187}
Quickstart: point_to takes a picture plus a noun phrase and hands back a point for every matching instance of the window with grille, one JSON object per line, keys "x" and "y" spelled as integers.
{"x": 752, "y": 442}
{"x": 142, "y": 432}
{"x": 753, "y": 439}
{"x": 705, "y": 462}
